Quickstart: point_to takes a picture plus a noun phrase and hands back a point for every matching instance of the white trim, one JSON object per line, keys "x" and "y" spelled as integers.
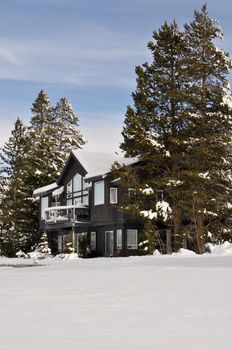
{"x": 115, "y": 190}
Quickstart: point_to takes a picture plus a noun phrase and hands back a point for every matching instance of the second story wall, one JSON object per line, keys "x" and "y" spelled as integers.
{"x": 105, "y": 201}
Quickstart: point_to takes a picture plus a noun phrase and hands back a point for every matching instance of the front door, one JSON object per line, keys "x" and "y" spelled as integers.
{"x": 109, "y": 243}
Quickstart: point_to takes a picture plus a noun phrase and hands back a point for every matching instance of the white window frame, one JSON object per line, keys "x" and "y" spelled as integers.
{"x": 100, "y": 201}
{"x": 93, "y": 240}
{"x": 113, "y": 195}
{"x": 119, "y": 239}
{"x": 133, "y": 245}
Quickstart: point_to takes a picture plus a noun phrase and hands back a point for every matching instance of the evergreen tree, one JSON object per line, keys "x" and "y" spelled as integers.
{"x": 33, "y": 158}
{"x": 179, "y": 128}
{"x": 154, "y": 127}
{"x": 42, "y": 135}
{"x": 14, "y": 150}
{"x": 67, "y": 125}
{"x": 209, "y": 131}
{"x": 12, "y": 206}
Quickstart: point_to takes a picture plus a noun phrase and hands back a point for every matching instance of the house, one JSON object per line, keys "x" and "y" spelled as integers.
{"x": 84, "y": 202}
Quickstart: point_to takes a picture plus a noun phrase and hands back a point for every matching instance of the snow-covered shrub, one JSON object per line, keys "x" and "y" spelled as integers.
{"x": 20, "y": 254}
{"x": 68, "y": 248}
{"x": 71, "y": 256}
{"x": 35, "y": 255}
{"x": 43, "y": 247}
{"x": 185, "y": 252}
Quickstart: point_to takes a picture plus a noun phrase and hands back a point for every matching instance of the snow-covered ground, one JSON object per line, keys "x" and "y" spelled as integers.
{"x": 155, "y": 302}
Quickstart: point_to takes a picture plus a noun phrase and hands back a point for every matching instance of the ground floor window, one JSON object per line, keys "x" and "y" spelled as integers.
{"x": 82, "y": 243}
{"x": 92, "y": 240}
{"x": 119, "y": 239}
{"x": 132, "y": 239}
{"x": 109, "y": 243}
{"x": 60, "y": 243}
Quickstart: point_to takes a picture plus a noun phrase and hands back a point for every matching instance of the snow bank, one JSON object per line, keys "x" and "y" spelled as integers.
{"x": 220, "y": 249}
{"x": 184, "y": 252}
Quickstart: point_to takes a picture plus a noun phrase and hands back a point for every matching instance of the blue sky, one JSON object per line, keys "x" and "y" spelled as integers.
{"x": 85, "y": 50}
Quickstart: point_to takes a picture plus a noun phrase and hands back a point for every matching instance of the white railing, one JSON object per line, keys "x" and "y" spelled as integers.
{"x": 68, "y": 213}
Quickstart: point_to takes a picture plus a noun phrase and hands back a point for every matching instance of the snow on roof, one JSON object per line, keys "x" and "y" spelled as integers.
{"x": 100, "y": 163}
{"x": 43, "y": 189}
{"x": 58, "y": 191}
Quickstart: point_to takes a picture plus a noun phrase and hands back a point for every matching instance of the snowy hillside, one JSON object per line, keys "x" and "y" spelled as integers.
{"x": 161, "y": 302}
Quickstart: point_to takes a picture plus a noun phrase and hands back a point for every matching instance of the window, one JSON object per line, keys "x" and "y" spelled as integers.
{"x": 119, "y": 239}
{"x": 59, "y": 243}
{"x": 77, "y": 183}
{"x": 99, "y": 193}
{"x": 92, "y": 240}
{"x": 69, "y": 187}
{"x": 113, "y": 195}
{"x": 131, "y": 192}
{"x": 69, "y": 193}
{"x": 44, "y": 205}
{"x": 77, "y": 201}
{"x": 132, "y": 239}
{"x": 86, "y": 198}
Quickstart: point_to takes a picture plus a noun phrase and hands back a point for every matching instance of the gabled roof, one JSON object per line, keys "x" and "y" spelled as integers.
{"x": 93, "y": 164}
{"x": 96, "y": 163}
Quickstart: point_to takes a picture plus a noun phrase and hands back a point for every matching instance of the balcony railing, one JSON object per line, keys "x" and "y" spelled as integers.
{"x": 69, "y": 214}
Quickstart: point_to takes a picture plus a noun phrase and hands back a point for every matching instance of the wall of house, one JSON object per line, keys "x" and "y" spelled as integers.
{"x": 106, "y": 213}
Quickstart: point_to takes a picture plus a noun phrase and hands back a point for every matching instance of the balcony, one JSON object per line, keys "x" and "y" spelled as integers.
{"x": 67, "y": 214}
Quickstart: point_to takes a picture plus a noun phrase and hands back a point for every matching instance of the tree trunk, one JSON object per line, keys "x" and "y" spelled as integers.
{"x": 200, "y": 232}
{"x": 177, "y": 223}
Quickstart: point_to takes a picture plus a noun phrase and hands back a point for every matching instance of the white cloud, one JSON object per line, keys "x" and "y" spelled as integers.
{"x": 5, "y": 132}
{"x": 103, "y": 135}
{"x": 90, "y": 55}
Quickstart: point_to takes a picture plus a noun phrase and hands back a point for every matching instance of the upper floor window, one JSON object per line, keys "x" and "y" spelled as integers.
{"x": 69, "y": 187}
{"x": 99, "y": 193}
{"x": 77, "y": 183}
{"x": 113, "y": 195}
{"x": 77, "y": 192}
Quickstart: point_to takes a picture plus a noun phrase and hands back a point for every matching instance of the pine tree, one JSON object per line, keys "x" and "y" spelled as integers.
{"x": 33, "y": 158}
{"x": 153, "y": 129}
{"x": 209, "y": 131}
{"x": 12, "y": 206}
{"x": 67, "y": 125}
{"x": 42, "y": 135}
{"x": 13, "y": 151}
{"x": 180, "y": 129}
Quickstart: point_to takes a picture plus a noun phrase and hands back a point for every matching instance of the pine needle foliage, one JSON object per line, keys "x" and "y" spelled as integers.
{"x": 179, "y": 128}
